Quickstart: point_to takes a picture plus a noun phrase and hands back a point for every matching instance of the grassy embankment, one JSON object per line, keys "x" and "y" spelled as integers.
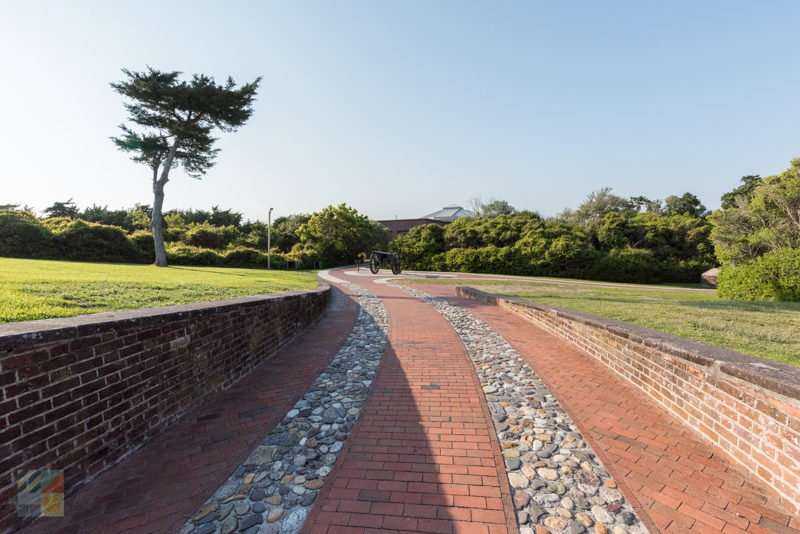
{"x": 38, "y": 289}
{"x": 767, "y": 329}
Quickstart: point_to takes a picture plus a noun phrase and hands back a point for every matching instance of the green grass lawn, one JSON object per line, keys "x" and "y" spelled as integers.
{"x": 38, "y": 289}
{"x": 767, "y": 329}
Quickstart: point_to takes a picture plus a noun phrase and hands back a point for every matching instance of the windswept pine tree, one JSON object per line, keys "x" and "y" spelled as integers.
{"x": 175, "y": 120}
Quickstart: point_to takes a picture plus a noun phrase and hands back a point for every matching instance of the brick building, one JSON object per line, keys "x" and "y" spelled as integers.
{"x": 442, "y": 217}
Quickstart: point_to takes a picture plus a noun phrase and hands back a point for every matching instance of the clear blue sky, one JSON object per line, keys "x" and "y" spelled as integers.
{"x": 399, "y": 108}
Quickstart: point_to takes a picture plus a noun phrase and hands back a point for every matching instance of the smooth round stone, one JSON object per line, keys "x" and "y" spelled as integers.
{"x": 274, "y": 514}
{"x": 249, "y": 521}
{"x": 513, "y": 464}
{"x": 206, "y": 528}
{"x": 556, "y": 523}
{"x": 229, "y": 525}
{"x": 601, "y": 515}
{"x": 518, "y": 480}
{"x": 585, "y": 519}
{"x": 257, "y": 494}
{"x": 548, "y": 474}
{"x": 315, "y": 484}
{"x": 274, "y": 500}
{"x": 258, "y": 507}
{"x": 521, "y": 499}
{"x": 241, "y": 507}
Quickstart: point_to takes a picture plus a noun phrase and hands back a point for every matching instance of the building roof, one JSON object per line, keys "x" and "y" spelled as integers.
{"x": 449, "y": 214}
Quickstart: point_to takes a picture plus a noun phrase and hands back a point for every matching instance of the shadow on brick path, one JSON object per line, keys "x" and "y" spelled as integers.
{"x": 423, "y": 455}
{"x": 159, "y": 486}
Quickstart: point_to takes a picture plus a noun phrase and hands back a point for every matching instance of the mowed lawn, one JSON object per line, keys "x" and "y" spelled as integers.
{"x": 767, "y": 329}
{"x": 39, "y": 289}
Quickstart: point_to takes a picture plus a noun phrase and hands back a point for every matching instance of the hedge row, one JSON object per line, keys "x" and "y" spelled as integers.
{"x": 619, "y": 265}
{"x": 773, "y": 276}
{"x": 24, "y": 236}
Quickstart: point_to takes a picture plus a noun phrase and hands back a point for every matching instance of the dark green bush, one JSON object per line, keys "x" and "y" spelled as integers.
{"x": 142, "y": 241}
{"x": 81, "y": 241}
{"x": 773, "y": 276}
{"x": 180, "y": 254}
{"x": 205, "y": 235}
{"x": 23, "y": 236}
{"x": 250, "y": 257}
{"x": 566, "y": 256}
{"x": 419, "y": 245}
{"x": 628, "y": 265}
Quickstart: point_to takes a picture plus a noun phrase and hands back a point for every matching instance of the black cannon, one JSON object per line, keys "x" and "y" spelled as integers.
{"x": 379, "y": 259}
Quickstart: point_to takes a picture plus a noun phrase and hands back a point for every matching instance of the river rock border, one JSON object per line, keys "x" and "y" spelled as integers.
{"x": 557, "y": 480}
{"x": 272, "y": 491}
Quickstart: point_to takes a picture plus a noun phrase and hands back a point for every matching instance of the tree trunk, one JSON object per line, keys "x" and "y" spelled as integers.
{"x": 158, "y": 224}
{"x": 158, "y": 202}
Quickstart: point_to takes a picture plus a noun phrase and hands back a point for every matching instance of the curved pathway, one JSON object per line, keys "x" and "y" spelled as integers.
{"x": 155, "y": 489}
{"x": 411, "y": 410}
{"x": 556, "y": 281}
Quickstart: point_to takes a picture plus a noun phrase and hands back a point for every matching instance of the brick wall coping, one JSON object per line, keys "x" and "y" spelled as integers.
{"x": 774, "y": 376}
{"x": 59, "y": 328}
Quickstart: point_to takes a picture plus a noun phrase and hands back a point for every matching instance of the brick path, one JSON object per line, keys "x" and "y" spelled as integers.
{"x": 158, "y": 487}
{"x": 674, "y": 480}
{"x": 423, "y": 456}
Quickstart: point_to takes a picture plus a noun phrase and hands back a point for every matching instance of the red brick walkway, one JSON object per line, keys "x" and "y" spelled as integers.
{"x": 158, "y": 487}
{"x": 680, "y": 483}
{"x": 423, "y": 455}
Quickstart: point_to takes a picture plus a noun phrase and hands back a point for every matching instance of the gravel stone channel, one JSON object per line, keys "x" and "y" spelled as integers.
{"x": 557, "y": 480}
{"x": 275, "y": 487}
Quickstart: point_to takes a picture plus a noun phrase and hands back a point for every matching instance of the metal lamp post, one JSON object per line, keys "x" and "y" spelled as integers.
{"x": 269, "y": 239}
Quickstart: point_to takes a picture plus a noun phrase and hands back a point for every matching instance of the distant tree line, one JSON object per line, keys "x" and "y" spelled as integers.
{"x": 333, "y": 236}
{"x": 754, "y": 236}
{"x": 607, "y": 237}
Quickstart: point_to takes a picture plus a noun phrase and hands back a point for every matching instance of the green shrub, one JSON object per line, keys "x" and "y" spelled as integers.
{"x": 142, "y": 241}
{"x": 23, "y": 236}
{"x": 419, "y": 245}
{"x": 58, "y": 224}
{"x": 81, "y": 241}
{"x": 180, "y": 254}
{"x": 773, "y": 276}
{"x": 568, "y": 255}
{"x": 205, "y": 235}
{"x": 628, "y": 265}
{"x": 245, "y": 257}
{"x": 250, "y": 257}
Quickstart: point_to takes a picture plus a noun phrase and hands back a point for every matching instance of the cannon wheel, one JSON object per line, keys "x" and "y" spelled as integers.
{"x": 374, "y": 265}
{"x": 395, "y": 264}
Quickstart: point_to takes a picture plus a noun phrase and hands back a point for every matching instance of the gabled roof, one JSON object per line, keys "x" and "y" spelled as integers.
{"x": 449, "y": 214}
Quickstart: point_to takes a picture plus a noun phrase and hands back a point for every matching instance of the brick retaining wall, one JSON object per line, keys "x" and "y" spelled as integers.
{"x": 748, "y": 407}
{"x": 82, "y": 392}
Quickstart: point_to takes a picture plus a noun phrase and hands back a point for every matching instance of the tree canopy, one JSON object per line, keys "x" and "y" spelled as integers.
{"x": 176, "y": 119}
{"x": 765, "y": 217}
{"x": 338, "y": 234}
{"x": 62, "y": 209}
